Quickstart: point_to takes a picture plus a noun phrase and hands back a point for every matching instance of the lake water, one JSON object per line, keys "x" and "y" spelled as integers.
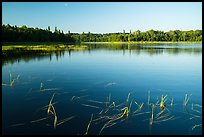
{"x": 88, "y": 82}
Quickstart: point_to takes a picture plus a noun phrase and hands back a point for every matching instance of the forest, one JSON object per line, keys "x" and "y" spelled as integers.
{"x": 25, "y": 34}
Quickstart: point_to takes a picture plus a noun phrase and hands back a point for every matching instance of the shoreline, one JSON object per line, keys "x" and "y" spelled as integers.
{"x": 43, "y": 47}
{"x": 56, "y": 45}
{"x": 81, "y": 43}
{"x": 146, "y": 42}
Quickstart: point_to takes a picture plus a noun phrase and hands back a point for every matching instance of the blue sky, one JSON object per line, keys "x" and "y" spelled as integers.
{"x": 104, "y": 17}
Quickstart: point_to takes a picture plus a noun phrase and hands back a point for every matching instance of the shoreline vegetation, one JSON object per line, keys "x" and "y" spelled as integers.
{"x": 43, "y": 47}
{"x": 48, "y": 46}
{"x": 55, "y": 46}
{"x": 24, "y": 34}
{"x": 77, "y": 43}
{"x": 24, "y": 39}
{"x": 145, "y": 42}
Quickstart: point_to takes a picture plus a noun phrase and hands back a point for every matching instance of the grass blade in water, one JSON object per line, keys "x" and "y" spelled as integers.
{"x": 89, "y": 125}
{"x": 65, "y": 120}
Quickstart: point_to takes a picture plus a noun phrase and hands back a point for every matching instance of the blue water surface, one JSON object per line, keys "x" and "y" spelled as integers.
{"x": 81, "y": 77}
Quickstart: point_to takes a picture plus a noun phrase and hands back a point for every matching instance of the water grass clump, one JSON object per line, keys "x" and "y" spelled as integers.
{"x": 123, "y": 111}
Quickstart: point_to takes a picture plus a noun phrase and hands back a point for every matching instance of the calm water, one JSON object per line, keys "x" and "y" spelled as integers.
{"x": 84, "y": 80}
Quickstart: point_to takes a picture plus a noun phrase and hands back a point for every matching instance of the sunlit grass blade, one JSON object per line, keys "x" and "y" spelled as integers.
{"x": 162, "y": 103}
{"x": 41, "y": 119}
{"x": 90, "y": 106}
{"x": 197, "y": 105}
{"x": 124, "y": 103}
{"x": 55, "y": 116}
{"x": 46, "y": 107}
{"x": 110, "y": 84}
{"x": 152, "y": 115}
{"x": 137, "y": 104}
{"x": 128, "y": 97}
{"x": 50, "y": 103}
{"x": 111, "y": 125}
{"x": 5, "y": 84}
{"x": 130, "y": 106}
{"x": 200, "y": 125}
{"x": 65, "y": 120}
{"x": 11, "y": 83}
{"x": 186, "y": 99}
{"x": 157, "y": 103}
{"x": 139, "y": 107}
{"x": 18, "y": 77}
{"x": 72, "y": 98}
{"x": 162, "y": 117}
{"x": 19, "y": 124}
{"x": 49, "y": 80}
{"x": 172, "y": 100}
{"x": 86, "y": 133}
{"x": 77, "y": 97}
{"x": 107, "y": 102}
{"x": 109, "y": 98}
{"x": 163, "y": 120}
{"x": 110, "y": 106}
{"x": 10, "y": 76}
{"x": 101, "y": 117}
{"x": 94, "y": 101}
{"x": 105, "y": 125}
{"x": 115, "y": 118}
{"x": 50, "y": 89}
{"x": 141, "y": 113}
{"x": 148, "y": 98}
{"x": 41, "y": 86}
{"x": 162, "y": 111}
{"x": 125, "y": 112}
{"x": 195, "y": 117}
{"x": 196, "y": 111}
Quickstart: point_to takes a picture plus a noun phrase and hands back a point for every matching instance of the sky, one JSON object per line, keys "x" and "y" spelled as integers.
{"x": 104, "y": 17}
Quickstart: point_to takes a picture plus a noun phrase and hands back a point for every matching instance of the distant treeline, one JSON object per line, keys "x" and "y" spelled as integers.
{"x": 25, "y": 34}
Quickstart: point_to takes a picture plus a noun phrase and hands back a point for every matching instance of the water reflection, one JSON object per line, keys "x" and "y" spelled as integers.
{"x": 149, "y": 49}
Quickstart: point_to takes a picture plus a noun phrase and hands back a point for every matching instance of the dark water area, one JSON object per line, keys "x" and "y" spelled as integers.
{"x": 103, "y": 80}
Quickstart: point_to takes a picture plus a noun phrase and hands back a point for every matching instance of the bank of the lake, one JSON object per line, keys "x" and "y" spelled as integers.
{"x": 146, "y": 42}
{"x": 53, "y": 47}
{"x": 36, "y": 43}
{"x": 80, "y": 43}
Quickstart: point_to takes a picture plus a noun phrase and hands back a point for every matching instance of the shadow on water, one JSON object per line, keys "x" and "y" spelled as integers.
{"x": 17, "y": 55}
